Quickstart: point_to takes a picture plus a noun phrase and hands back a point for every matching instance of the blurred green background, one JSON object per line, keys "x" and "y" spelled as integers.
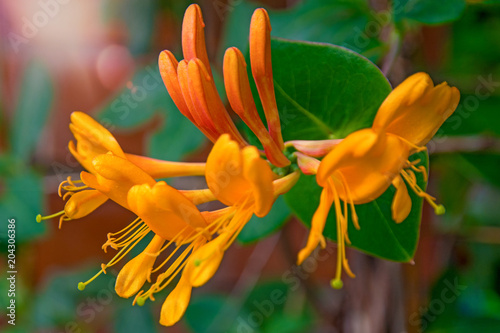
{"x": 100, "y": 57}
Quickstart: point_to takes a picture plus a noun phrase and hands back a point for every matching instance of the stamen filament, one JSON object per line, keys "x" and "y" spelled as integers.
{"x": 438, "y": 208}
{"x": 40, "y": 218}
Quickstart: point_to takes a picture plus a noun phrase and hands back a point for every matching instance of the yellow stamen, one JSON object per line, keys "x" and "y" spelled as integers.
{"x": 40, "y": 218}
{"x": 410, "y": 178}
{"x": 354, "y": 216}
{"x": 119, "y": 256}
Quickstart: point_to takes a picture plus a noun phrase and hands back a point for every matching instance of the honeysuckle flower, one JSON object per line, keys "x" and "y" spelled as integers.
{"x": 364, "y": 164}
{"x": 190, "y": 84}
{"x": 239, "y": 178}
{"x": 92, "y": 140}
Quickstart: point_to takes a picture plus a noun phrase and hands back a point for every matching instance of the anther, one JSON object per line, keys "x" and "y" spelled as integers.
{"x": 336, "y": 283}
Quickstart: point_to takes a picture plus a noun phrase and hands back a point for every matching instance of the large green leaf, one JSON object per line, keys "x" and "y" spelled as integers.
{"x": 35, "y": 100}
{"x": 325, "y": 91}
{"x": 428, "y": 11}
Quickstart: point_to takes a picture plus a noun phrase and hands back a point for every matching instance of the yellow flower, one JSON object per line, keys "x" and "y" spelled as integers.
{"x": 363, "y": 165}
{"x": 239, "y": 178}
{"x": 416, "y": 109}
{"x": 92, "y": 140}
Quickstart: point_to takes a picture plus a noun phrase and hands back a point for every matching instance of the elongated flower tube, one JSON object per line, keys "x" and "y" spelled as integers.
{"x": 191, "y": 85}
{"x": 262, "y": 70}
{"x": 241, "y": 100}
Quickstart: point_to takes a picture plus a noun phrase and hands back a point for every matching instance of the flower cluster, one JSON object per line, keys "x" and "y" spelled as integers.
{"x": 355, "y": 170}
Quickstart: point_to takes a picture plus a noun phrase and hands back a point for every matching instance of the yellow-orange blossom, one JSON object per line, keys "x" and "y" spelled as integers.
{"x": 361, "y": 167}
{"x": 354, "y": 171}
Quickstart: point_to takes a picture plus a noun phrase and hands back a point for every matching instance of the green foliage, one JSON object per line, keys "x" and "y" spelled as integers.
{"x": 428, "y": 11}
{"x": 146, "y": 99}
{"x": 337, "y": 22}
{"x": 22, "y": 201}
{"x": 22, "y": 195}
{"x": 473, "y": 116}
{"x": 61, "y": 306}
{"x": 260, "y": 227}
{"x": 268, "y": 307}
{"x": 324, "y": 91}
{"x": 32, "y": 110}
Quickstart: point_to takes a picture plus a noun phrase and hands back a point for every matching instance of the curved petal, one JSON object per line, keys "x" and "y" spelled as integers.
{"x": 165, "y": 210}
{"x": 92, "y": 139}
{"x": 416, "y": 109}
{"x": 366, "y": 162}
{"x": 224, "y": 172}
{"x": 205, "y": 261}
{"x": 83, "y": 203}
{"x": 176, "y": 303}
{"x": 401, "y": 203}
{"x": 114, "y": 177}
{"x": 260, "y": 177}
{"x": 135, "y": 273}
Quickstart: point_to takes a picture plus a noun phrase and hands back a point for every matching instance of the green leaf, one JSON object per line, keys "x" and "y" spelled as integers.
{"x": 260, "y": 227}
{"x": 428, "y": 11}
{"x": 379, "y": 235}
{"x": 324, "y": 91}
{"x": 34, "y": 102}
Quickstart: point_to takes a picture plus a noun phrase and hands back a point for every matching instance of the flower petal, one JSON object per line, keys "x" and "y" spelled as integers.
{"x": 317, "y": 225}
{"x": 176, "y": 303}
{"x": 135, "y": 273}
{"x": 204, "y": 262}
{"x": 224, "y": 172}
{"x": 260, "y": 177}
{"x": 92, "y": 139}
{"x": 401, "y": 203}
{"x": 416, "y": 109}
{"x": 83, "y": 203}
{"x": 366, "y": 162}
{"x": 165, "y": 210}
